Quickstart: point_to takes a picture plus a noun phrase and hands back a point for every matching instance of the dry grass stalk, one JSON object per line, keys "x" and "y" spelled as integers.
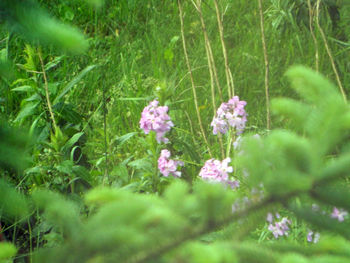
{"x": 46, "y": 86}
{"x": 212, "y": 69}
{"x": 329, "y": 52}
{"x": 267, "y": 66}
{"x": 229, "y": 78}
{"x": 191, "y": 76}
{"x": 311, "y": 18}
{"x": 211, "y": 61}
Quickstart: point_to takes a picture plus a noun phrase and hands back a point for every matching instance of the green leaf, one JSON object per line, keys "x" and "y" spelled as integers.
{"x": 312, "y": 86}
{"x": 142, "y": 164}
{"x": 336, "y": 169}
{"x": 67, "y": 112}
{"x": 294, "y": 111}
{"x": 34, "y": 97}
{"x": 28, "y": 110}
{"x": 335, "y": 195}
{"x": 58, "y": 211}
{"x": 25, "y": 88}
{"x": 32, "y": 22}
{"x": 7, "y": 251}
{"x": 121, "y": 171}
{"x": 72, "y": 141}
{"x": 65, "y": 167}
{"x": 100, "y": 195}
{"x": 124, "y": 138}
{"x": 53, "y": 63}
{"x": 73, "y": 82}
{"x": 12, "y": 203}
{"x": 12, "y": 148}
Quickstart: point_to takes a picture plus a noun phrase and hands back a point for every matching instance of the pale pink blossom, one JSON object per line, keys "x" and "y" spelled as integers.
{"x": 313, "y": 237}
{"x": 155, "y": 118}
{"x": 218, "y": 171}
{"x": 168, "y": 166}
{"x": 339, "y": 214}
{"x": 232, "y": 114}
{"x": 278, "y": 228}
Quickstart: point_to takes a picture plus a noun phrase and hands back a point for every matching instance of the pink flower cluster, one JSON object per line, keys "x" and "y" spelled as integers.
{"x": 313, "y": 237}
{"x": 339, "y": 214}
{"x": 231, "y": 114}
{"x": 279, "y": 228}
{"x": 167, "y": 166}
{"x": 156, "y": 118}
{"x": 216, "y": 171}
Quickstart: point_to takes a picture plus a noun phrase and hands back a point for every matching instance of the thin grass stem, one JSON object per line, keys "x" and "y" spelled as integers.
{"x": 210, "y": 57}
{"x": 311, "y": 19}
{"x": 229, "y": 78}
{"x": 267, "y": 65}
{"x": 46, "y": 86}
{"x": 329, "y": 52}
{"x": 191, "y": 77}
{"x": 212, "y": 69}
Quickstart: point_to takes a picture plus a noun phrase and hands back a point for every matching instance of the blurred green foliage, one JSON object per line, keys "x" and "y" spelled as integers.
{"x": 27, "y": 19}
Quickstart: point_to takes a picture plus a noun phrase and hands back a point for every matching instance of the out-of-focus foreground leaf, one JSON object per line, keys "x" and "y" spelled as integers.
{"x": 27, "y": 19}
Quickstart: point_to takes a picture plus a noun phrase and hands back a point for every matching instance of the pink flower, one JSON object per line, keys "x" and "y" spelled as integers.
{"x": 313, "y": 237}
{"x": 216, "y": 171}
{"x": 155, "y": 118}
{"x": 231, "y": 114}
{"x": 167, "y": 166}
{"x": 279, "y": 228}
{"x": 339, "y": 214}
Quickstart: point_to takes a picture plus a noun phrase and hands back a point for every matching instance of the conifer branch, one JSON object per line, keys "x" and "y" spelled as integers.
{"x": 326, "y": 178}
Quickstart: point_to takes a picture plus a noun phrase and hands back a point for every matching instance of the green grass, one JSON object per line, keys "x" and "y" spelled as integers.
{"x": 136, "y": 49}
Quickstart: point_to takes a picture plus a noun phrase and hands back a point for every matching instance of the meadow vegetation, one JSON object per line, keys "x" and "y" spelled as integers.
{"x": 174, "y": 131}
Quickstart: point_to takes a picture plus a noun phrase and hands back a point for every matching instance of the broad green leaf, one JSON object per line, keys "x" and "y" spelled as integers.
{"x": 53, "y": 63}
{"x": 25, "y": 88}
{"x": 28, "y": 110}
{"x": 73, "y": 82}
{"x": 120, "y": 171}
{"x": 72, "y": 141}
{"x": 124, "y": 138}
{"x": 65, "y": 167}
{"x": 142, "y": 164}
